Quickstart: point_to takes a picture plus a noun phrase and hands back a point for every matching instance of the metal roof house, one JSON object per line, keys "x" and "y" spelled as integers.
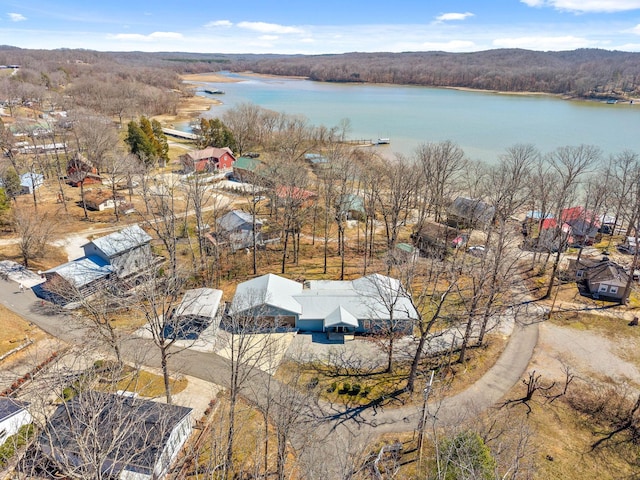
{"x": 366, "y": 304}
{"x": 124, "y": 255}
{"x": 124, "y": 437}
{"x": 13, "y": 415}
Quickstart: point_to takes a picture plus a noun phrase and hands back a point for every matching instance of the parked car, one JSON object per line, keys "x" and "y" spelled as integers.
{"x": 476, "y": 250}
{"x": 460, "y": 241}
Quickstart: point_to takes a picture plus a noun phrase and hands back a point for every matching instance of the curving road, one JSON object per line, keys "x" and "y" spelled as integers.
{"x": 333, "y": 437}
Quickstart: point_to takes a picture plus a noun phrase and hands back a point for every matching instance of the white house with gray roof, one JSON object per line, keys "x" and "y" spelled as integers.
{"x": 13, "y": 415}
{"x": 126, "y": 437}
{"x": 367, "y": 304}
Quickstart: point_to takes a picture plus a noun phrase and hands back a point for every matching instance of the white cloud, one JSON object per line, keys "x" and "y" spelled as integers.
{"x": 219, "y": 23}
{"x": 446, "y": 17}
{"x": 263, "y": 27}
{"x": 16, "y": 17}
{"x": 147, "y": 38}
{"x": 544, "y": 43}
{"x": 269, "y": 37}
{"x": 635, "y": 29}
{"x": 587, "y": 6}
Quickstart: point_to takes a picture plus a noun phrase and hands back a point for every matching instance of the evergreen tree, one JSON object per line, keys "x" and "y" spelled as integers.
{"x": 160, "y": 140}
{"x": 139, "y": 143}
{"x": 11, "y": 183}
{"x": 214, "y": 133}
{"x": 5, "y": 202}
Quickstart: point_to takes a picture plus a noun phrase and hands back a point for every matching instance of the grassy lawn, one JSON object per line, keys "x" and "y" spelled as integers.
{"x": 15, "y": 330}
{"x": 148, "y": 384}
{"x": 353, "y": 388}
{"x": 143, "y": 382}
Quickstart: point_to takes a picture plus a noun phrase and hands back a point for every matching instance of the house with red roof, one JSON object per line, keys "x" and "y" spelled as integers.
{"x": 584, "y": 224}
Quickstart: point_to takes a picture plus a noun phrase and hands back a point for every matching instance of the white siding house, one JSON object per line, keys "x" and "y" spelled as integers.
{"x": 366, "y": 304}
{"x": 135, "y": 439}
{"x": 13, "y": 415}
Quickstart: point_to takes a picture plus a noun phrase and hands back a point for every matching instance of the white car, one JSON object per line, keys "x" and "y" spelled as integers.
{"x": 476, "y": 250}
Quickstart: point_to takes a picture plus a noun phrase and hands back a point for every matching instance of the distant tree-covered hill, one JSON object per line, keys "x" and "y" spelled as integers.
{"x": 582, "y": 73}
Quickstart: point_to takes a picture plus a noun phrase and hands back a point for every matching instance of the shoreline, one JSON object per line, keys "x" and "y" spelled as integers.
{"x": 218, "y": 78}
{"x": 190, "y": 108}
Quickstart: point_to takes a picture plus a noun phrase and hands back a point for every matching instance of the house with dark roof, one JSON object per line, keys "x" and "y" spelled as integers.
{"x": 367, "y": 304}
{"x": 101, "y": 200}
{"x": 584, "y": 224}
{"x": 122, "y": 255}
{"x": 210, "y": 159}
{"x": 236, "y": 229}
{"x": 123, "y": 437}
{"x": 434, "y": 240}
{"x": 605, "y": 279}
{"x": 469, "y": 213}
{"x": 13, "y": 415}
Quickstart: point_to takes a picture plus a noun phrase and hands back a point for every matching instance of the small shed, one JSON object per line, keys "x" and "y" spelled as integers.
{"x": 101, "y": 200}
{"x": 13, "y": 415}
{"x": 30, "y": 181}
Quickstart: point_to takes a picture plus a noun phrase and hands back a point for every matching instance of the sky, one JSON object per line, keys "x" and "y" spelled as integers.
{"x": 317, "y": 27}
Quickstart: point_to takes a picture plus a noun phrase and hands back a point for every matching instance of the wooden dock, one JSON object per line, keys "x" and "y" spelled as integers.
{"x": 180, "y": 134}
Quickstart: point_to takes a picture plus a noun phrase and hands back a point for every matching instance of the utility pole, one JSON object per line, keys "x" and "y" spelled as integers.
{"x": 423, "y": 420}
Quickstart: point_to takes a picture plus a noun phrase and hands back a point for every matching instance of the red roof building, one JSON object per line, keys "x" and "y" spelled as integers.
{"x": 209, "y": 159}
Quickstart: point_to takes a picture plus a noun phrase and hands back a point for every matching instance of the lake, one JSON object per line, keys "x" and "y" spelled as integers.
{"x": 484, "y": 124}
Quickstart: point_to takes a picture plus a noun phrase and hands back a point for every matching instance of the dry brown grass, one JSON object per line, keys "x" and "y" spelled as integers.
{"x": 336, "y": 385}
{"x": 15, "y": 331}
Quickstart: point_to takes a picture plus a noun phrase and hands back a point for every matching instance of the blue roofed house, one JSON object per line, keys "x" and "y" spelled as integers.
{"x": 122, "y": 255}
{"x": 365, "y": 305}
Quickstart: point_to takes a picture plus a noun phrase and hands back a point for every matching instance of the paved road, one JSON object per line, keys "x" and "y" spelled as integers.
{"x": 337, "y": 435}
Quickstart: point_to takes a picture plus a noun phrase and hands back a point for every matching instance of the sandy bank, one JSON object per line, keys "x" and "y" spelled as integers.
{"x": 188, "y": 109}
{"x": 207, "y": 77}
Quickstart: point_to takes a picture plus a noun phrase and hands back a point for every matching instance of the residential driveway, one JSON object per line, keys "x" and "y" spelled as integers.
{"x": 362, "y": 353}
{"x": 268, "y": 349}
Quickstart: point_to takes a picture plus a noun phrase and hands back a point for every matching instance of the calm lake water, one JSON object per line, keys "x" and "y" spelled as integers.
{"x": 483, "y": 124}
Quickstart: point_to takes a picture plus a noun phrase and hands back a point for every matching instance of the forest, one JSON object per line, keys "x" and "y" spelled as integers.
{"x": 587, "y": 73}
